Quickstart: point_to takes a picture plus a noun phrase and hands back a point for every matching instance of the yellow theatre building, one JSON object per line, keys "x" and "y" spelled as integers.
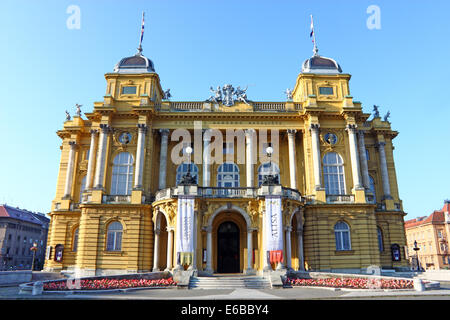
{"x": 226, "y": 185}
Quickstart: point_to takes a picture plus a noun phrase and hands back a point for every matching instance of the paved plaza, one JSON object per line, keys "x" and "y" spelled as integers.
{"x": 12, "y": 292}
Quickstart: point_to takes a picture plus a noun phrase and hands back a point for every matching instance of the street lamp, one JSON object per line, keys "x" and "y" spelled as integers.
{"x": 270, "y": 179}
{"x": 187, "y": 179}
{"x": 416, "y": 249}
{"x": 34, "y": 249}
{"x": 189, "y": 152}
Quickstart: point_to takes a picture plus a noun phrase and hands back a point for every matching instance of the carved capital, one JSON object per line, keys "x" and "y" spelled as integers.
{"x": 314, "y": 127}
{"x": 351, "y": 128}
{"x": 164, "y": 132}
{"x": 93, "y": 132}
{"x": 73, "y": 145}
{"x": 291, "y": 132}
{"x": 142, "y": 128}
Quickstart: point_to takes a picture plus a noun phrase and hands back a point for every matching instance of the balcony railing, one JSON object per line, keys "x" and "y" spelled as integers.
{"x": 340, "y": 198}
{"x": 222, "y": 192}
{"x": 116, "y": 199}
{"x": 269, "y": 106}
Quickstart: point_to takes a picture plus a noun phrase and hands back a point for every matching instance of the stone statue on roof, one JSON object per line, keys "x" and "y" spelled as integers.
{"x": 78, "y": 112}
{"x": 376, "y": 113}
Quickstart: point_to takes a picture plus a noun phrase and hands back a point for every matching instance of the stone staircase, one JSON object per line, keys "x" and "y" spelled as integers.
{"x": 229, "y": 282}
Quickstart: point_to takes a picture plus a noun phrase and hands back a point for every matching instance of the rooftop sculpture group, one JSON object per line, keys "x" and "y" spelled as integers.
{"x": 228, "y": 95}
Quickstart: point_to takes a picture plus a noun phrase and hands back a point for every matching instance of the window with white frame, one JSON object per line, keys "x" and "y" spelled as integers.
{"x": 122, "y": 174}
{"x": 114, "y": 237}
{"x": 228, "y": 175}
{"x": 342, "y": 235}
{"x": 228, "y": 148}
{"x": 183, "y": 169}
{"x": 82, "y": 187}
{"x": 380, "y": 239}
{"x": 75, "y": 240}
{"x": 268, "y": 168}
{"x": 333, "y": 174}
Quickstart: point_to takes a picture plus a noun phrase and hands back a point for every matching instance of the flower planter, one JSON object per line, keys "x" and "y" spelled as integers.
{"x": 351, "y": 283}
{"x": 106, "y": 284}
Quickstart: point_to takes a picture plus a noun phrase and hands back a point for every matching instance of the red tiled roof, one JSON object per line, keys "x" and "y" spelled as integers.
{"x": 436, "y": 217}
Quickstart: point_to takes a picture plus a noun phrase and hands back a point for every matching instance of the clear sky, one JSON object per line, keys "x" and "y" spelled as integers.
{"x": 46, "y": 68}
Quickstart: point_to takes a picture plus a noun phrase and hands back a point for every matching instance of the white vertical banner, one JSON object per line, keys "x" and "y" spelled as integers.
{"x": 185, "y": 225}
{"x": 274, "y": 224}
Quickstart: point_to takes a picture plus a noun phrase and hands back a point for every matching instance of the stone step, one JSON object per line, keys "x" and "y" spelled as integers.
{"x": 228, "y": 282}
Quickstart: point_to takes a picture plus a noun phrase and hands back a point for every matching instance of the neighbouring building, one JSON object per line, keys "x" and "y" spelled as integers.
{"x": 431, "y": 235}
{"x": 324, "y": 196}
{"x": 19, "y": 230}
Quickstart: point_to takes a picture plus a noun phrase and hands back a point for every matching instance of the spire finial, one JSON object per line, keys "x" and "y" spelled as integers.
{"x": 142, "y": 35}
{"x": 313, "y": 35}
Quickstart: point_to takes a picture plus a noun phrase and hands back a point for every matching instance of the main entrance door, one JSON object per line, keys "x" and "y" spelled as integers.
{"x": 228, "y": 248}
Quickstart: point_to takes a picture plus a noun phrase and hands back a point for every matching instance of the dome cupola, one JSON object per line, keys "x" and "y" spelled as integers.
{"x": 135, "y": 64}
{"x": 319, "y": 64}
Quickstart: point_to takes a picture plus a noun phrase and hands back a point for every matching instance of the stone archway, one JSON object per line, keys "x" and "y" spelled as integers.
{"x": 160, "y": 242}
{"x": 233, "y": 215}
{"x": 296, "y": 240}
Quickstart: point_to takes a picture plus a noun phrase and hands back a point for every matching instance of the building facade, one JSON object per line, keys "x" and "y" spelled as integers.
{"x": 19, "y": 231}
{"x": 146, "y": 183}
{"x": 430, "y": 235}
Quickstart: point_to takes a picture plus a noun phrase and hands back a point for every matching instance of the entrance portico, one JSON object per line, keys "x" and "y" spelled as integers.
{"x": 230, "y": 241}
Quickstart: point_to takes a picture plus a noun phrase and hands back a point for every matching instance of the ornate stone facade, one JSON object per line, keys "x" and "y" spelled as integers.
{"x": 118, "y": 191}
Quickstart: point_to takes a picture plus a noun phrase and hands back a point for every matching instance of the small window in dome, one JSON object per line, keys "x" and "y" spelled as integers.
{"x": 129, "y": 90}
{"x": 326, "y": 90}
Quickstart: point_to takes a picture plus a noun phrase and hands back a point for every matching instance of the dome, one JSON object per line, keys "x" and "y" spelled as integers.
{"x": 135, "y": 64}
{"x": 318, "y": 64}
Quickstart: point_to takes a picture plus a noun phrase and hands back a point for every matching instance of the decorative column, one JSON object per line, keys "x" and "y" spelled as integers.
{"x": 363, "y": 160}
{"x": 142, "y": 131}
{"x": 209, "y": 268}
{"x": 249, "y": 158}
{"x": 92, "y": 150}
{"x": 206, "y": 159}
{"x": 156, "y": 251}
{"x": 169, "y": 249}
{"x": 100, "y": 163}
{"x": 292, "y": 163}
{"x": 163, "y": 158}
{"x": 316, "y": 156}
{"x": 351, "y": 129}
{"x": 69, "y": 172}
{"x": 301, "y": 258}
{"x": 249, "y": 251}
{"x": 288, "y": 248}
{"x": 384, "y": 171}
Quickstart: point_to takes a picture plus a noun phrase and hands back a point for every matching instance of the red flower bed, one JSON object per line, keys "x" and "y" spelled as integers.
{"x": 104, "y": 284}
{"x": 352, "y": 283}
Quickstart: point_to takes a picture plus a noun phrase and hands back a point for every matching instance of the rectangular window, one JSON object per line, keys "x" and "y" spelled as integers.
{"x": 326, "y": 90}
{"x": 228, "y": 148}
{"x": 129, "y": 90}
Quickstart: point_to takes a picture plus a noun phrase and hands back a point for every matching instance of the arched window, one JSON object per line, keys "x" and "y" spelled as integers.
{"x": 114, "y": 237}
{"x": 122, "y": 174}
{"x": 372, "y": 188}
{"x": 82, "y": 187}
{"x": 228, "y": 175}
{"x": 183, "y": 169}
{"x": 75, "y": 240}
{"x": 380, "y": 239}
{"x": 342, "y": 235}
{"x": 267, "y": 169}
{"x": 333, "y": 174}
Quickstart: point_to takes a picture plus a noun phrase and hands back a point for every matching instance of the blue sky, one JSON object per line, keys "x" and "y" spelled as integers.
{"x": 47, "y": 68}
